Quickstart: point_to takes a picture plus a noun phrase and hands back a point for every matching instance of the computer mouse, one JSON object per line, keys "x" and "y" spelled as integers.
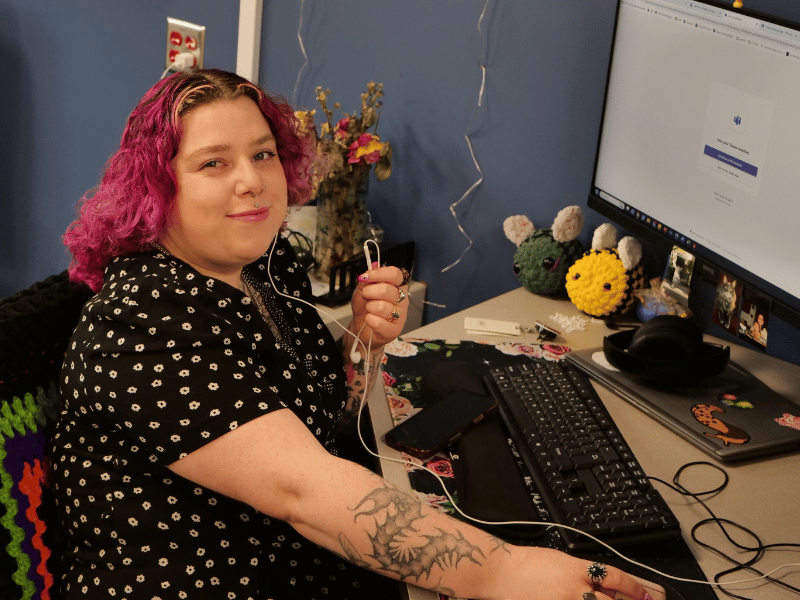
{"x": 448, "y": 376}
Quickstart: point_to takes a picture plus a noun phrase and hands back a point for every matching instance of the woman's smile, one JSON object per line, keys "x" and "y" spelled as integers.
{"x": 253, "y": 216}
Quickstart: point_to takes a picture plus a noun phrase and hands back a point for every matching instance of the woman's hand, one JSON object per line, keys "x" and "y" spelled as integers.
{"x": 550, "y": 575}
{"x": 380, "y": 305}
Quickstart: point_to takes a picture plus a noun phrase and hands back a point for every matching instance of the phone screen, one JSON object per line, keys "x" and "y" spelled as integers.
{"x": 441, "y": 423}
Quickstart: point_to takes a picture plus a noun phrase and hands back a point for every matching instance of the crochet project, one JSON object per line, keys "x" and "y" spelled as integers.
{"x": 35, "y": 327}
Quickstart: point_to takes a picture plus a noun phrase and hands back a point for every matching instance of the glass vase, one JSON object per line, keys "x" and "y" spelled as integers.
{"x": 342, "y": 224}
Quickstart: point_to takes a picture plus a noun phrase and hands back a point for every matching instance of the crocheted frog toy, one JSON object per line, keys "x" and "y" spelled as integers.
{"x": 543, "y": 256}
{"x": 602, "y": 282}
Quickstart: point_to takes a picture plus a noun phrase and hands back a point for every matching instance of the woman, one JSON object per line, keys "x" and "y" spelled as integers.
{"x": 194, "y": 456}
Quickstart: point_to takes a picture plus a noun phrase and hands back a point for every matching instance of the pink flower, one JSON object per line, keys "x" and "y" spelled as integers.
{"x": 388, "y": 380}
{"x": 556, "y": 349}
{"x": 341, "y": 127}
{"x": 366, "y": 149}
{"x": 441, "y": 466}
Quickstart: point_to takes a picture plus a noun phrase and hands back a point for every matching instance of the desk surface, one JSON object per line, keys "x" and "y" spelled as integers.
{"x": 762, "y": 494}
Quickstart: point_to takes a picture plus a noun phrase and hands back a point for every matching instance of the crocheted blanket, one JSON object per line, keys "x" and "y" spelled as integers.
{"x": 29, "y": 533}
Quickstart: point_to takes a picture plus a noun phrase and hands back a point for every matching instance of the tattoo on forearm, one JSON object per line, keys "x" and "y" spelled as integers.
{"x": 399, "y": 547}
{"x": 500, "y": 545}
{"x": 350, "y": 552}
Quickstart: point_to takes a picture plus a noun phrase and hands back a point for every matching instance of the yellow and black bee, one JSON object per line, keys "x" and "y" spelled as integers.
{"x": 602, "y": 282}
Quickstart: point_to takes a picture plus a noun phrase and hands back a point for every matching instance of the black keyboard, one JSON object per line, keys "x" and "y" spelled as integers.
{"x": 585, "y": 473}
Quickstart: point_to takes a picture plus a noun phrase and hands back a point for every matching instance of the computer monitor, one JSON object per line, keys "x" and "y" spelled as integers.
{"x": 699, "y": 146}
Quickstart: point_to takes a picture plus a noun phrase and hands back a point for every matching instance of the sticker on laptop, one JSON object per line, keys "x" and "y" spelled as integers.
{"x": 735, "y": 401}
{"x": 789, "y": 420}
{"x": 727, "y": 434}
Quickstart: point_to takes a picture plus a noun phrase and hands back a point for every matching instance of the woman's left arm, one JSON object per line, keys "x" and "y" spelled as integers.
{"x": 380, "y": 308}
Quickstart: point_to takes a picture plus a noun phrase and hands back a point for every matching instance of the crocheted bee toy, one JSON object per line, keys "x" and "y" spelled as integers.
{"x": 602, "y": 282}
{"x": 543, "y": 256}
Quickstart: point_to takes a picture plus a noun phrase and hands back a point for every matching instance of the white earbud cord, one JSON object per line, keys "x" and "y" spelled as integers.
{"x": 368, "y": 347}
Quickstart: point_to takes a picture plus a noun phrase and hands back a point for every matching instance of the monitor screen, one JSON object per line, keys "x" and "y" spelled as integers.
{"x": 700, "y": 141}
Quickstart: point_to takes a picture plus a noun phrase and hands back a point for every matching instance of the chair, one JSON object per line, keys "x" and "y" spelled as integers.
{"x": 35, "y": 327}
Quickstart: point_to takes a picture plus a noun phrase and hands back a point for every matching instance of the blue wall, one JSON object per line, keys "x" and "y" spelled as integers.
{"x": 71, "y": 72}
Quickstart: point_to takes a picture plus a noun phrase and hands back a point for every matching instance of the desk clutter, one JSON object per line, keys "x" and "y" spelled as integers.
{"x": 500, "y": 471}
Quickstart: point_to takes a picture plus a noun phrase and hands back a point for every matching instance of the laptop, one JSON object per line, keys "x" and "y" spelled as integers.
{"x": 731, "y": 416}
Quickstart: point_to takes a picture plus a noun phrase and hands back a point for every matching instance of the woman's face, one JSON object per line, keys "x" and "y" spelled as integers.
{"x": 227, "y": 163}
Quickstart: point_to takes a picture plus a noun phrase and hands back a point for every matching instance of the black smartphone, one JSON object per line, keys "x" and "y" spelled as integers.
{"x": 440, "y": 424}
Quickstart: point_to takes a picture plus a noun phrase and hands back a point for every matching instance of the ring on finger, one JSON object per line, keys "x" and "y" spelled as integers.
{"x": 406, "y": 276}
{"x": 395, "y": 314}
{"x": 597, "y": 573}
{"x": 402, "y": 295}
{"x": 589, "y": 596}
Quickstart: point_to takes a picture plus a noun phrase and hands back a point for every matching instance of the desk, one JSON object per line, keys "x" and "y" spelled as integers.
{"x": 762, "y": 494}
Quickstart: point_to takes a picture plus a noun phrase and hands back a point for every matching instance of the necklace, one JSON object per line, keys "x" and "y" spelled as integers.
{"x": 161, "y": 248}
{"x": 250, "y": 290}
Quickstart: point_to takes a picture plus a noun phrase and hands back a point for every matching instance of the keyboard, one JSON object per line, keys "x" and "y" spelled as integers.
{"x": 586, "y": 475}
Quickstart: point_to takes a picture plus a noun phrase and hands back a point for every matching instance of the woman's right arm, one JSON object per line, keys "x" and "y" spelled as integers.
{"x": 357, "y": 515}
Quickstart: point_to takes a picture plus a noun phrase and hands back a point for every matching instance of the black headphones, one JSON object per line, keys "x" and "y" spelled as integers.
{"x": 668, "y": 349}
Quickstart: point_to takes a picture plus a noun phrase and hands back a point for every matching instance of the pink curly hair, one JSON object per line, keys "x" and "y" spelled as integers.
{"x": 131, "y": 206}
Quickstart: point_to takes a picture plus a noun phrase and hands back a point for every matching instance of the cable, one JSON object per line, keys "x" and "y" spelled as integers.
{"x": 759, "y": 548}
{"x": 302, "y": 49}
{"x": 471, "y": 150}
{"x": 677, "y": 486}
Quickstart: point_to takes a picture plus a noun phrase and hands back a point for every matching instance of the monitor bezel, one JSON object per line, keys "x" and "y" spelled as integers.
{"x": 708, "y": 264}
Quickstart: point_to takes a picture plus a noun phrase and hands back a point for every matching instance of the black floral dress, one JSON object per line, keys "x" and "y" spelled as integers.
{"x": 165, "y": 360}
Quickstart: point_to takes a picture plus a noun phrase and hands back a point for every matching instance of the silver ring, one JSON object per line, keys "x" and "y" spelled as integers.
{"x": 589, "y": 596}
{"x": 597, "y": 573}
{"x": 402, "y": 295}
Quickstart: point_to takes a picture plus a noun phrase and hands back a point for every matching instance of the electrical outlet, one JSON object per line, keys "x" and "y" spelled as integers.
{"x": 183, "y": 36}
